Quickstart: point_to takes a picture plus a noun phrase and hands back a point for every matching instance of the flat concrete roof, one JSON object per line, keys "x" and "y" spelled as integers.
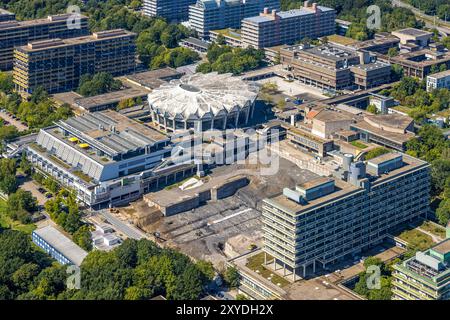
{"x": 63, "y": 244}
{"x": 111, "y": 97}
{"x": 57, "y": 43}
{"x": 412, "y": 32}
{"x": 154, "y": 78}
{"x": 442, "y": 247}
{"x": 439, "y": 75}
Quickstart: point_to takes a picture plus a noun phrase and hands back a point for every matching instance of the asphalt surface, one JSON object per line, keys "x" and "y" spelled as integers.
{"x": 129, "y": 230}
{"x": 14, "y": 122}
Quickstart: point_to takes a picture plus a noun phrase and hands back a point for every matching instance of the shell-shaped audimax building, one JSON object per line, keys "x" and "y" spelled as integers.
{"x": 203, "y": 102}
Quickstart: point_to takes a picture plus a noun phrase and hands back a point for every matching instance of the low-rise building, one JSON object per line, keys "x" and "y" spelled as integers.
{"x": 420, "y": 63}
{"x": 438, "y": 80}
{"x": 57, "y": 245}
{"x": 412, "y": 35}
{"x": 389, "y": 130}
{"x": 334, "y": 67}
{"x": 5, "y": 15}
{"x": 425, "y": 276}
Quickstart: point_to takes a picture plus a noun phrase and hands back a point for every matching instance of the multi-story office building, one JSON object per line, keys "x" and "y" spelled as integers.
{"x": 287, "y": 27}
{"x": 6, "y": 15}
{"x": 426, "y": 276}
{"x": 105, "y": 157}
{"x": 438, "y": 80}
{"x": 172, "y": 10}
{"x": 57, "y": 64}
{"x": 18, "y": 33}
{"x": 325, "y": 219}
{"x": 335, "y": 67}
{"x": 206, "y": 15}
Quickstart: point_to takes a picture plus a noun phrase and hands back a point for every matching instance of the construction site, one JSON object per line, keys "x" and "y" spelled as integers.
{"x": 230, "y": 224}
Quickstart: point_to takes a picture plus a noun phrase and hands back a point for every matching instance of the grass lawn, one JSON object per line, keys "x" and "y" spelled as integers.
{"x": 256, "y": 263}
{"x": 434, "y": 229}
{"x": 358, "y": 144}
{"x": 416, "y": 239}
{"x": 7, "y": 222}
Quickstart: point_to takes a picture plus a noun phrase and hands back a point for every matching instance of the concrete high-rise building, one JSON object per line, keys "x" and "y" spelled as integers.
{"x": 18, "y": 33}
{"x": 172, "y": 10}
{"x": 206, "y": 15}
{"x": 57, "y": 64}
{"x": 272, "y": 28}
{"x": 325, "y": 219}
{"x": 426, "y": 276}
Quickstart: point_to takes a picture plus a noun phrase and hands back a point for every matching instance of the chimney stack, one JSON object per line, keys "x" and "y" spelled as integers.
{"x": 306, "y": 4}
{"x": 266, "y": 10}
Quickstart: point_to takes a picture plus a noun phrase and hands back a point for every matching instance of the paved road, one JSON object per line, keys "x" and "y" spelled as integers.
{"x": 442, "y": 26}
{"x": 14, "y": 122}
{"x": 129, "y": 230}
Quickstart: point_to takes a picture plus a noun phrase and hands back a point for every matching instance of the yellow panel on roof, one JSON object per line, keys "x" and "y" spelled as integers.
{"x": 84, "y": 145}
{"x": 73, "y": 139}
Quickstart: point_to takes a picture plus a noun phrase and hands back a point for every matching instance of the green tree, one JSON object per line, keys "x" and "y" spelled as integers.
{"x": 232, "y": 277}
{"x": 82, "y": 237}
{"x": 372, "y": 109}
{"x": 443, "y": 212}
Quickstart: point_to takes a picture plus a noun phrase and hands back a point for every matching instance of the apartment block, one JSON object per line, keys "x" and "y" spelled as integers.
{"x": 58, "y": 64}
{"x": 172, "y": 10}
{"x": 327, "y": 218}
{"x": 206, "y": 15}
{"x": 18, "y": 33}
{"x": 334, "y": 67}
{"x": 426, "y": 276}
{"x": 287, "y": 27}
{"x": 438, "y": 80}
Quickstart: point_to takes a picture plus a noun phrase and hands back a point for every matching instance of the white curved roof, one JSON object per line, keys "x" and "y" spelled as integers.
{"x": 199, "y": 94}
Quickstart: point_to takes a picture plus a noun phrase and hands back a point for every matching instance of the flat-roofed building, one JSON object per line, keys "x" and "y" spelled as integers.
{"x": 310, "y": 142}
{"x": 58, "y": 64}
{"x": 334, "y": 67}
{"x": 425, "y": 276}
{"x": 59, "y": 246}
{"x": 172, "y": 10}
{"x": 206, "y": 15}
{"x": 272, "y": 28}
{"x": 380, "y": 44}
{"x": 104, "y": 156}
{"x": 18, "y": 33}
{"x": 325, "y": 219}
{"x": 389, "y": 130}
{"x": 438, "y": 80}
{"x": 5, "y": 15}
{"x": 420, "y": 63}
{"x": 412, "y": 35}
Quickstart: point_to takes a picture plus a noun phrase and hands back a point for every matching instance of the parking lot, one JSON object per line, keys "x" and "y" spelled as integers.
{"x": 15, "y": 122}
